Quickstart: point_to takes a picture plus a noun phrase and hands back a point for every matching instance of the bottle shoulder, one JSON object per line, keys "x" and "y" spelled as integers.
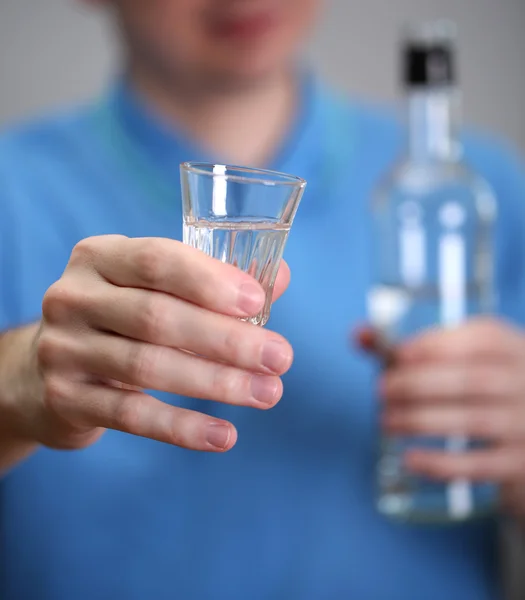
{"x": 423, "y": 176}
{"x": 435, "y": 183}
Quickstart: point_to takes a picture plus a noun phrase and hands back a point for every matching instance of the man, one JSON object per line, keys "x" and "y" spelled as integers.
{"x": 288, "y": 512}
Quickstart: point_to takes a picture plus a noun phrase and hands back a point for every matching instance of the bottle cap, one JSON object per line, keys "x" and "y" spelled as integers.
{"x": 429, "y": 55}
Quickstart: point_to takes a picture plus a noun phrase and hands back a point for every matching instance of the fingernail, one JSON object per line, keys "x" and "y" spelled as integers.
{"x": 218, "y": 435}
{"x": 251, "y": 298}
{"x": 264, "y": 389}
{"x": 276, "y": 356}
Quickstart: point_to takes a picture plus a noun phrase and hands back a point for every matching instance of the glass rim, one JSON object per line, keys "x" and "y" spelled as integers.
{"x": 279, "y": 178}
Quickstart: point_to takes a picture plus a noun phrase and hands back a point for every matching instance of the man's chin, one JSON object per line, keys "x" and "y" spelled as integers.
{"x": 228, "y": 79}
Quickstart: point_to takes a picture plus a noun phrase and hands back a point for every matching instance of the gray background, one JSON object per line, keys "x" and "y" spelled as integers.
{"x": 56, "y": 51}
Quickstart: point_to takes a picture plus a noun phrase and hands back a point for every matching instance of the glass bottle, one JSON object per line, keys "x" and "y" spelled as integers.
{"x": 433, "y": 220}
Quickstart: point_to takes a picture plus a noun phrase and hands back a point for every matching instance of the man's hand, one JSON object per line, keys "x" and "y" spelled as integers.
{"x": 468, "y": 381}
{"x": 135, "y": 314}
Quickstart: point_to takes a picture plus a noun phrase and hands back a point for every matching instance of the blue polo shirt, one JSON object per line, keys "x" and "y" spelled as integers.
{"x": 289, "y": 513}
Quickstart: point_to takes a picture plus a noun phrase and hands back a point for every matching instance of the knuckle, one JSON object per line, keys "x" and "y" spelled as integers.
{"x": 54, "y": 394}
{"x": 128, "y": 414}
{"x": 74, "y": 440}
{"x": 233, "y": 347}
{"x": 179, "y": 429}
{"x": 204, "y": 287}
{"x": 205, "y": 294}
{"x": 150, "y": 261}
{"x": 85, "y": 251}
{"x": 140, "y": 365}
{"x": 150, "y": 320}
{"x": 230, "y": 386}
{"x": 47, "y": 350}
{"x": 208, "y": 281}
{"x": 60, "y": 301}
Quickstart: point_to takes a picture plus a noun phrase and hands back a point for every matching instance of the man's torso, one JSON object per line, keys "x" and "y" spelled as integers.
{"x": 289, "y": 512}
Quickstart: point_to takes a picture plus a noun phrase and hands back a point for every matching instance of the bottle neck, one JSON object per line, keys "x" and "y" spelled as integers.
{"x": 433, "y": 118}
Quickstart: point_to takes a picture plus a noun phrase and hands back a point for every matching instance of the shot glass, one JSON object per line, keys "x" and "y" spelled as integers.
{"x": 241, "y": 216}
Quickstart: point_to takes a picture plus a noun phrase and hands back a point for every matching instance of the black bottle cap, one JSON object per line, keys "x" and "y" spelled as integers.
{"x": 429, "y": 56}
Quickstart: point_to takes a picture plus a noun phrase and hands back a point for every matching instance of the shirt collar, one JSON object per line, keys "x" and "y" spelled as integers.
{"x": 167, "y": 145}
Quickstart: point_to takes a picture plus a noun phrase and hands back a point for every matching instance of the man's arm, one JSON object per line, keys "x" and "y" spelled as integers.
{"x": 18, "y": 381}
{"x": 104, "y": 338}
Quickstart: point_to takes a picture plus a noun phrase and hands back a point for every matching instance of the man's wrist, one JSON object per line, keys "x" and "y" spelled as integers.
{"x": 18, "y": 388}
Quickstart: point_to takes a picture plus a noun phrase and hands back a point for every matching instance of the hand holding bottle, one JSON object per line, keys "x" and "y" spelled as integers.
{"x": 466, "y": 382}
{"x": 433, "y": 229}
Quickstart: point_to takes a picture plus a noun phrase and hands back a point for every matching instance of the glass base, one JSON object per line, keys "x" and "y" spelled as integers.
{"x": 409, "y": 497}
{"x": 261, "y": 319}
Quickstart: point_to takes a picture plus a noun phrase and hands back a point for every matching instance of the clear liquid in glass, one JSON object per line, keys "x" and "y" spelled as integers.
{"x": 254, "y": 246}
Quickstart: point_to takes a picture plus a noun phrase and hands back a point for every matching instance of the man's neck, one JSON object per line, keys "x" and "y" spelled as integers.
{"x": 241, "y": 126}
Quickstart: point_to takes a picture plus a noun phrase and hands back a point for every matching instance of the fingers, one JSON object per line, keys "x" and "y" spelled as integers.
{"x": 282, "y": 281}
{"x": 158, "y": 367}
{"x": 134, "y": 314}
{"x": 482, "y": 423}
{"x": 140, "y": 414}
{"x": 161, "y": 319}
{"x": 497, "y": 465}
{"x": 464, "y": 383}
{"x": 438, "y": 383}
{"x": 174, "y": 268}
{"x": 480, "y": 401}
{"x": 479, "y": 339}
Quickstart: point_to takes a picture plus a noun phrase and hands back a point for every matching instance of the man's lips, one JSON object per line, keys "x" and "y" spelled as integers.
{"x": 244, "y": 27}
